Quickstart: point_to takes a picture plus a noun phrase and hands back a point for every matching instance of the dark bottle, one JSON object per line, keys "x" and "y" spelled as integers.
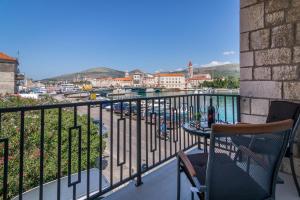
{"x": 210, "y": 114}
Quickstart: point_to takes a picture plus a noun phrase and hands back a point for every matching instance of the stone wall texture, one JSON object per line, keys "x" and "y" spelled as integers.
{"x": 7, "y": 78}
{"x": 269, "y": 58}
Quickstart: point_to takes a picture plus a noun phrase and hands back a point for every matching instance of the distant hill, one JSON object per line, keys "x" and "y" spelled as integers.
{"x": 220, "y": 70}
{"x": 216, "y": 71}
{"x": 97, "y": 72}
{"x": 136, "y": 71}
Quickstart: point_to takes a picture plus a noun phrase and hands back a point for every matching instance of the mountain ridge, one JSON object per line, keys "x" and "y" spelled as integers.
{"x": 100, "y": 72}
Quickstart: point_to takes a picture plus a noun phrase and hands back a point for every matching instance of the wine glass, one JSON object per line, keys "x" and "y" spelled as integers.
{"x": 203, "y": 113}
{"x": 217, "y": 113}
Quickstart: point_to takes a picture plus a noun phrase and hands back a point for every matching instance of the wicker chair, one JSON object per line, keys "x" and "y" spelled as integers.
{"x": 243, "y": 175}
{"x": 279, "y": 110}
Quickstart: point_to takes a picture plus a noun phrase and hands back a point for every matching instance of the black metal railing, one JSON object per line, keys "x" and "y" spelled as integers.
{"x": 87, "y": 149}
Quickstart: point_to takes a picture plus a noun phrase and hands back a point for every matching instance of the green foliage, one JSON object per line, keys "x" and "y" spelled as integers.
{"x": 32, "y": 137}
{"x": 197, "y": 116}
{"x": 229, "y": 83}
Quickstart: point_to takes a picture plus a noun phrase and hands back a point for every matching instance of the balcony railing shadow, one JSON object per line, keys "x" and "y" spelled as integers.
{"x": 161, "y": 184}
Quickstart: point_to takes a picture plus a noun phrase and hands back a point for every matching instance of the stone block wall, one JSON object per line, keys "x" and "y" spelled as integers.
{"x": 269, "y": 57}
{"x": 7, "y": 77}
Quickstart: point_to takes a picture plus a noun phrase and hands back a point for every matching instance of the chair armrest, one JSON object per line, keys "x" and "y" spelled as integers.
{"x": 185, "y": 160}
{"x": 254, "y": 156}
{"x": 242, "y": 123}
{"x": 252, "y": 129}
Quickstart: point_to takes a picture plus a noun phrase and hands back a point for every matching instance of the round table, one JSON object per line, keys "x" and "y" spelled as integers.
{"x": 202, "y": 132}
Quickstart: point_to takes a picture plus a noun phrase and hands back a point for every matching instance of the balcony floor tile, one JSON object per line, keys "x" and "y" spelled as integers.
{"x": 161, "y": 185}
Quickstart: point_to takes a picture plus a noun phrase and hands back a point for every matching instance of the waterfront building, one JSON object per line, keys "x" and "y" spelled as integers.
{"x": 170, "y": 80}
{"x": 149, "y": 81}
{"x": 197, "y": 79}
{"x": 137, "y": 79}
{"x": 122, "y": 82}
{"x": 104, "y": 82}
{"x": 9, "y": 73}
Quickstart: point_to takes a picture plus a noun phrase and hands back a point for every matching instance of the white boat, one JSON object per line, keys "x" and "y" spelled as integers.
{"x": 100, "y": 98}
{"x": 107, "y": 108}
{"x": 30, "y": 96}
{"x": 68, "y": 88}
{"x": 150, "y": 90}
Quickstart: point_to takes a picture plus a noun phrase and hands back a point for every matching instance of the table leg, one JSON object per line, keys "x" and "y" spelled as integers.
{"x": 205, "y": 145}
{"x": 199, "y": 142}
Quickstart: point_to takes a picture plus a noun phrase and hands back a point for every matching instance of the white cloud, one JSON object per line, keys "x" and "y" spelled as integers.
{"x": 227, "y": 53}
{"x": 178, "y": 69}
{"x": 215, "y": 63}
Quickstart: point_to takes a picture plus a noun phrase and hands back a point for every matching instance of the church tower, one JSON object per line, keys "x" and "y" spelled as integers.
{"x": 190, "y": 70}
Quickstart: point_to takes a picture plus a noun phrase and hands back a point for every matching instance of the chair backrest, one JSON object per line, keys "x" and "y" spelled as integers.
{"x": 248, "y": 169}
{"x": 282, "y": 110}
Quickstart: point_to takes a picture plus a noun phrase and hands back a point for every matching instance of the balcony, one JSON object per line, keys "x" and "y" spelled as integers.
{"x": 20, "y": 76}
{"x": 71, "y": 150}
{"x": 161, "y": 184}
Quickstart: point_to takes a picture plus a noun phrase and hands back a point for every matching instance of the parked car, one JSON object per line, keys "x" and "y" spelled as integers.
{"x": 104, "y": 129}
{"x": 118, "y": 107}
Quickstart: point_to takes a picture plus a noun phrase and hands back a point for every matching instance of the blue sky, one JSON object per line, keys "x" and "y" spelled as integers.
{"x": 64, "y": 36}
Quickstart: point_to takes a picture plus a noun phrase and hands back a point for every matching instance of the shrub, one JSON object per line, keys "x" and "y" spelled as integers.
{"x": 10, "y": 129}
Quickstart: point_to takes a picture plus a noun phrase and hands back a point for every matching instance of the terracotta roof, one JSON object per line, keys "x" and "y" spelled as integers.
{"x": 123, "y": 79}
{"x": 198, "y": 78}
{"x": 170, "y": 75}
{"x": 201, "y": 77}
{"x": 5, "y": 57}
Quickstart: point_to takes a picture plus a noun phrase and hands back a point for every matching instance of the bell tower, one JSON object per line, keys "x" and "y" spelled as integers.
{"x": 190, "y": 70}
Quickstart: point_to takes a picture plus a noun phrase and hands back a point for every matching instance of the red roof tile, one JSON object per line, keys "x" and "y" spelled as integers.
{"x": 123, "y": 79}
{"x": 5, "y": 57}
{"x": 170, "y": 74}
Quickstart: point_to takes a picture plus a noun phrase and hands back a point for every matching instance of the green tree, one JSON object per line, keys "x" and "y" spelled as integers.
{"x": 11, "y": 129}
{"x": 229, "y": 83}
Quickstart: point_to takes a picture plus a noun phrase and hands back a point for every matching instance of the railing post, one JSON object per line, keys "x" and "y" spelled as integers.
{"x": 238, "y": 108}
{"x": 138, "y": 144}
